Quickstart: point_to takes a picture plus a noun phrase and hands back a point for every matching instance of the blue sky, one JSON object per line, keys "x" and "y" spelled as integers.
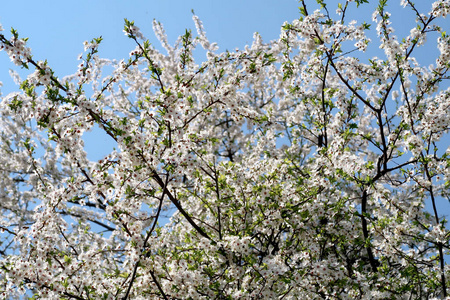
{"x": 57, "y": 30}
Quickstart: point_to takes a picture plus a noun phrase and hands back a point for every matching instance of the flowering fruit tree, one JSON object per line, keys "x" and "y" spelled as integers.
{"x": 294, "y": 169}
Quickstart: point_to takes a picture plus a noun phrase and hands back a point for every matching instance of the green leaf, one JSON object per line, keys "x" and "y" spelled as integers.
{"x": 359, "y": 2}
{"x": 303, "y": 11}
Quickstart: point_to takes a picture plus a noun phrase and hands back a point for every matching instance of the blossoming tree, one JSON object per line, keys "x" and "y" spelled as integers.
{"x": 295, "y": 169}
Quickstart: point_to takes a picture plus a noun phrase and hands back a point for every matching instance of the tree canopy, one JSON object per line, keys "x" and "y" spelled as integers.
{"x": 293, "y": 169}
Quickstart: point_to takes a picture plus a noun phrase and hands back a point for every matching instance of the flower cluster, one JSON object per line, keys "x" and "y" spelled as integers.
{"x": 42, "y": 75}
{"x": 16, "y": 48}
